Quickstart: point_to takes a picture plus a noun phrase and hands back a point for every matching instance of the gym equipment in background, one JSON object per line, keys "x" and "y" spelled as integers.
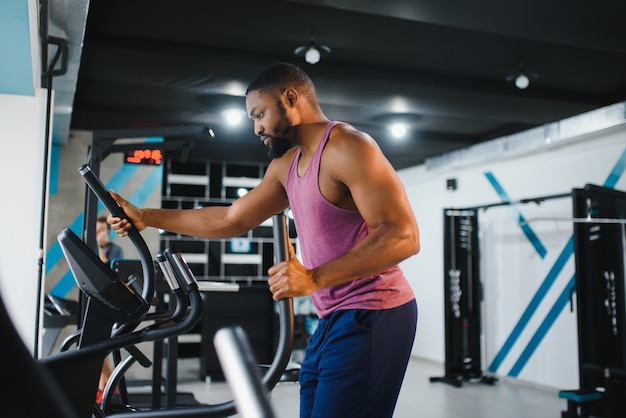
{"x": 600, "y": 248}
{"x": 57, "y": 314}
{"x": 464, "y": 293}
{"x": 463, "y": 296}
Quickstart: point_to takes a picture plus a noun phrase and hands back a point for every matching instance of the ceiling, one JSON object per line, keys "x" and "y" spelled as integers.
{"x": 441, "y": 66}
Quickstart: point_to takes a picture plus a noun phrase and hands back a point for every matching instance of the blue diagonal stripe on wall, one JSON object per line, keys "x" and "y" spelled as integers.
{"x": 617, "y": 171}
{"x": 64, "y": 285}
{"x": 526, "y": 229}
{"x": 552, "y": 275}
{"x": 541, "y": 332}
{"x": 154, "y": 180}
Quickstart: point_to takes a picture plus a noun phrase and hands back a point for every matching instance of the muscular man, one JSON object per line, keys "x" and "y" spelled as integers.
{"x": 354, "y": 225}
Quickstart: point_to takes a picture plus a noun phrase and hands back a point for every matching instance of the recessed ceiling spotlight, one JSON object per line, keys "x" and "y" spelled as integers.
{"x": 399, "y": 124}
{"x": 398, "y": 130}
{"x": 233, "y": 116}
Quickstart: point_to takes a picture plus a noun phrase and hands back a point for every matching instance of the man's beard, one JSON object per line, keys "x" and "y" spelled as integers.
{"x": 280, "y": 145}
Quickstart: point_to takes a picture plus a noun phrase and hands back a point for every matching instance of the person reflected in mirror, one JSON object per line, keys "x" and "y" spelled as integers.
{"x": 107, "y": 251}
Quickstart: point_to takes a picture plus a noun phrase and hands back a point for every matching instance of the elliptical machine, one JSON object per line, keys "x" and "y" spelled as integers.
{"x": 116, "y": 308}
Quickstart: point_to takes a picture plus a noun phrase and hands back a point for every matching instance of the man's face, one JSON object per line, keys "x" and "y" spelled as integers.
{"x": 101, "y": 228}
{"x": 271, "y": 122}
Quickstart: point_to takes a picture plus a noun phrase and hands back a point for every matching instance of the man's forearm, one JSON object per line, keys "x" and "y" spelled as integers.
{"x": 384, "y": 248}
{"x": 208, "y": 222}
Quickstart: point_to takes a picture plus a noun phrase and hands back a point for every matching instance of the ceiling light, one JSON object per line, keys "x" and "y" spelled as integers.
{"x": 522, "y": 81}
{"x": 233, "y": 116}
{"x": 522, "y": 78}
{"x": 398, "y": 130}
{"x": 312, "y": 52}
{"x": 312, "y": 55}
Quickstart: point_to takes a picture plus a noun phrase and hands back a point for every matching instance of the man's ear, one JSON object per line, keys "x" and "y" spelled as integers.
{"x": 292, "y": 96}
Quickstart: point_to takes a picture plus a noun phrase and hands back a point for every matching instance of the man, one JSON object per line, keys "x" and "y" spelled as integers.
{"x": 354, "y": 225}
{"x": 107, "y": 250}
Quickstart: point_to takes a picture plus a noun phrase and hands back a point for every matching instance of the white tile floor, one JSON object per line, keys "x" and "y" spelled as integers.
{"x": 419, "y": 397}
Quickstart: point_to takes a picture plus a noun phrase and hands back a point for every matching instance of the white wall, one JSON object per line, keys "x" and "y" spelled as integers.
{"x": 511, "y": 268}
{"x": 22, "y": 132}
{"x": 21, "y": 173}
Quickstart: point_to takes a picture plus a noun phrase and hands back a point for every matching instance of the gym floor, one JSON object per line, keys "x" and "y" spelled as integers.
{"x": 419, "y": 397}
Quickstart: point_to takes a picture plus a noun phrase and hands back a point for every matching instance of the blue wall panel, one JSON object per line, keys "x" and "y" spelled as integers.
{"x": 16, "y": 67}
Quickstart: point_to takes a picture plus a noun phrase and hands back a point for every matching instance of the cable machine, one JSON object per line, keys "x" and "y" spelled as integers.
{"x": 464, "y": 294}
{"x": 599, "y": 224}
{"x": 600, "y": 248}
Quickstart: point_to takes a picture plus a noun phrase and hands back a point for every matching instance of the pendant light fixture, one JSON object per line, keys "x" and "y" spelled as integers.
{"x": 312, "y": 52}
{"x": 521, "y": 78}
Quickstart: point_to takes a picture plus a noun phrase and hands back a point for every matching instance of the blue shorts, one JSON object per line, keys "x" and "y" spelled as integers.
{"x": 355, "y": 363}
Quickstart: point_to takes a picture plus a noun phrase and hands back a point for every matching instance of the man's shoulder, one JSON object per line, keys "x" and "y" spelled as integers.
{"x": 344, "y": 137}
{"x": 279, "y": 167}
{"x": 284, "y": 160}
{"x": 113, "y": 251}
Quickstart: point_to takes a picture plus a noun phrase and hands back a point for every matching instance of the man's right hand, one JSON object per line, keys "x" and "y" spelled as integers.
{"x": 133, "y": 213}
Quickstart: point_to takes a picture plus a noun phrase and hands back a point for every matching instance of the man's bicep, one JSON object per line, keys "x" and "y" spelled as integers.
{"x": 381, "y": 201}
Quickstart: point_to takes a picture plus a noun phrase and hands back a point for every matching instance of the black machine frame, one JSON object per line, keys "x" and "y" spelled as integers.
{"x": 103, "y": 144}
{"x": 463, "y": 296}
{"x": 600, "y": 257}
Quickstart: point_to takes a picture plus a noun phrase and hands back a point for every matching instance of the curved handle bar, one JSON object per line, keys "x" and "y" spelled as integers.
{"x": 281, "y": 237}
{"x": 147, "y": 265}
{"x": 113, "y": 382}
{"x": 286, "y": 315}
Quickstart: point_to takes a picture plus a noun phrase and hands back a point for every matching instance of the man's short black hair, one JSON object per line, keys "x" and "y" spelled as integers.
{"x": 281, "y": 75}
{"x": 104, "y": 220}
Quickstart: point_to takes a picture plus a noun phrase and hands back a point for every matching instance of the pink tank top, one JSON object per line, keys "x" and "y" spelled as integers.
{"x": 326, "y": 232}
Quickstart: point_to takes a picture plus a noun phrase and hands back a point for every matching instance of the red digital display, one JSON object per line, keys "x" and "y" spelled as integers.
{"x": 144, "y": 156}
